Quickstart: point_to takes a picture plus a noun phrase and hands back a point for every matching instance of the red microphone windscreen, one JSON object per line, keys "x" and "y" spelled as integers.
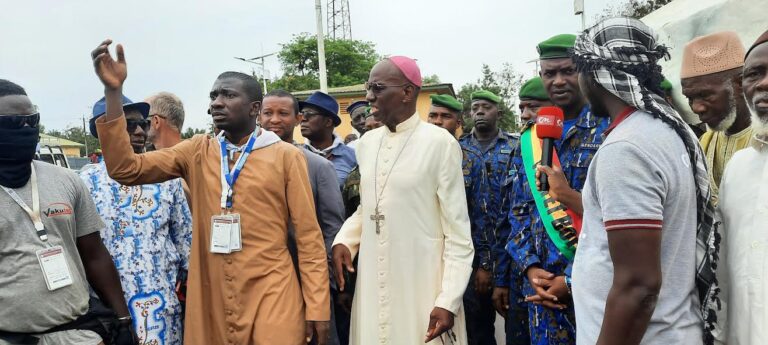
{"x": 549, "y": 123}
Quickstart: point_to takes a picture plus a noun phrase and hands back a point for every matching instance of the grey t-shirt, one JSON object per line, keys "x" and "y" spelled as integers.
{"x": 67, "y": 212}
{"x": 640, "y": 178}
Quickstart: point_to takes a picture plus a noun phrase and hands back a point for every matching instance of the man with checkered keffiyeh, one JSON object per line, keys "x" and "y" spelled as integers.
{"x": 644, "y": 271}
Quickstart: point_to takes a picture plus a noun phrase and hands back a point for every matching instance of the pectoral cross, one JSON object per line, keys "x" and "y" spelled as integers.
{"x": 378, "y": 217}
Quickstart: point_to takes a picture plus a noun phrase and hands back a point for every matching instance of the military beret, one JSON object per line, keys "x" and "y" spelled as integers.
{"x": 666, "y": 85}
{"x": 534, "y": 89}
{"x": 446, "y": 101}
{"x": 486, "y": 95}
{"x": 556, "y": 47}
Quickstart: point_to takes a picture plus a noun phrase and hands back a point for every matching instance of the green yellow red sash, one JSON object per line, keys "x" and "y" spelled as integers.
{"x": 562, "y": 225}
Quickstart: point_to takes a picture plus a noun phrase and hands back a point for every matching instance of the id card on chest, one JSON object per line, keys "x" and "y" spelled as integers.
{"x": 225, "y": 233}
{"x": 53, "y": 262}
{"x": 225, "y": 227}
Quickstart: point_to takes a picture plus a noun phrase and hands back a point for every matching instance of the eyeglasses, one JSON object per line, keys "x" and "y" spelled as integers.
{"x": 379, "y": 87}
{"x": 132, "y": 124}
{"x": 308, "y": 113}
{"x": 19, "y": 121}
{"x": 160, "y": 116}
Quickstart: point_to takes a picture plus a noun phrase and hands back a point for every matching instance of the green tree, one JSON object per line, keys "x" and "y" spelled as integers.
{"x": 78, "y": 135}
{"x": 191, "y": 132}
{"x": 348, "y": 62}
{"x": 505, "y": 83}
{"x": 431, "y": 79}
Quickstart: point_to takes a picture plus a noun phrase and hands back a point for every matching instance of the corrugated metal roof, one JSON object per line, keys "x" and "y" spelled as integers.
{"x": 50, "y": 140}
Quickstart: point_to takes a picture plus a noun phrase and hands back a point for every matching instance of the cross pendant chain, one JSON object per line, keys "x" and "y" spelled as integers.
{"x": 378, "y": 217}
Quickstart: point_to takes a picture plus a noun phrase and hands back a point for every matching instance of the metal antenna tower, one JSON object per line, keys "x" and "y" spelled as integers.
{"x": 339, "y": 23}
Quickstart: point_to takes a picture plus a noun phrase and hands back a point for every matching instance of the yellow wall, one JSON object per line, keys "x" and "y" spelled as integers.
{"x": 422, "y": 106}
{"x": 71, "y": 151}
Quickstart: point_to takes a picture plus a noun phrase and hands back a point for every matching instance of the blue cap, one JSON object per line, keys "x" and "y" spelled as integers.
{"x": 100, "y": 108}
{"x": 325, "y": 103}
{"x": 356, "y": 105}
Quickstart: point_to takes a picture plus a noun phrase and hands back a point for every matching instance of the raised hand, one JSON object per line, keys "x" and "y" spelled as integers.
{"x": 111, "y": 73}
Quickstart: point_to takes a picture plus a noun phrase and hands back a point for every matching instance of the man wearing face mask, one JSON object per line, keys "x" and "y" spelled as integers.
{"x": 711, "y": 80}
{"x": 50, "y": 249}
{"x": 148, "y": 234}
{"x": 487, "y": 152}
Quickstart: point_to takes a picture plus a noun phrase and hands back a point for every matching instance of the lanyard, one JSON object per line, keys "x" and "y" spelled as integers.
{"x": 228, "y": 179}
{"x": 34, "y": 213}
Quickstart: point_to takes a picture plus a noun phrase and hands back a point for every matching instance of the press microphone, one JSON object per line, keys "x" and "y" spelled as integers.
{"x": 549, "y": 127}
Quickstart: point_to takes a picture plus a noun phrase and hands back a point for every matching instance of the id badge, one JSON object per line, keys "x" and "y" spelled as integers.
{"x": 236, "y": 242}
{"x": 53, "y": 262}
{"x": 221, "y": 237}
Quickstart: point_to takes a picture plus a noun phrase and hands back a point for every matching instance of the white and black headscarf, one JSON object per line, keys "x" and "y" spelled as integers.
{"x": 621, "y": 54}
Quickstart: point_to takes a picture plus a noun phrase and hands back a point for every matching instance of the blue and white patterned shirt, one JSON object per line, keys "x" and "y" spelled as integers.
{"x": 148, "y": 233}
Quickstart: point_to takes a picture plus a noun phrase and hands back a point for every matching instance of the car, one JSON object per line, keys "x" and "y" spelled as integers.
{"x": 53, "y": 155}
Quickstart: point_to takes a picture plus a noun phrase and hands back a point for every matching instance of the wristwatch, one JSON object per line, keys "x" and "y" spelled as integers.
{"x": 486, "y": 266}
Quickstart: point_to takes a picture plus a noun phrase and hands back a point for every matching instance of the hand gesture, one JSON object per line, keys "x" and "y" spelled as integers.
{"x": 342, "y": 259}
{"x": 558, "y": 289}
{"x": 111, "y": 73}
{"x": 542, "y": 283}
{"x": 440, "y": 321}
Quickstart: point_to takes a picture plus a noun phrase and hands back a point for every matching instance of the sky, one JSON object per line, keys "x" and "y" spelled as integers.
{"x": 181, "y": 46}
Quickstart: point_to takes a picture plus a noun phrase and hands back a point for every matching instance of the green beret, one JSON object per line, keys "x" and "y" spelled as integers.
{"x": 666, "y": 85}
{"x": 534, "y": 89}
{"x": 556, "y": 47}
{"x": 447, "y": 101}
{"x": 486, "y": 95}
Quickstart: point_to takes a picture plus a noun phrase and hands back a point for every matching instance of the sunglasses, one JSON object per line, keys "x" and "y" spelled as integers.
{"x": 19, "y": 121}
{"x": 132, "y": 124}
{"x": 379, "y": 87}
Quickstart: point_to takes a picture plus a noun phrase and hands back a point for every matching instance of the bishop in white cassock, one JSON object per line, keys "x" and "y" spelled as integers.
{"x": 415, "y": 251}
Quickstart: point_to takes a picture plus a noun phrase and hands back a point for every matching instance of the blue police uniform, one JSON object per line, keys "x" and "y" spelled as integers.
{"x": 485, "y": 170}
{"x": 528, "y": 243}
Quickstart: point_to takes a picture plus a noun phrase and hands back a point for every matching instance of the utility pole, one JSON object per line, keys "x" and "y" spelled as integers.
{"x": 321, "y": 47}
{"x": 85, "y": 136}
{"x": 261, "y": 64}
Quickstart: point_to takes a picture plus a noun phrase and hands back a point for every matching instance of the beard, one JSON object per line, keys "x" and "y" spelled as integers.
{"x": 759, "y": 123}
{"x": 729, "y": 119}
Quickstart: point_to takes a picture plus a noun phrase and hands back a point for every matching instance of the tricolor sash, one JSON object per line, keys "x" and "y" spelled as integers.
{"x": 562, "y": 225}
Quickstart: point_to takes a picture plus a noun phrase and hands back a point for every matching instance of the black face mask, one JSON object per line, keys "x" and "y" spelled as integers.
{"x": 17, "y": 149}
